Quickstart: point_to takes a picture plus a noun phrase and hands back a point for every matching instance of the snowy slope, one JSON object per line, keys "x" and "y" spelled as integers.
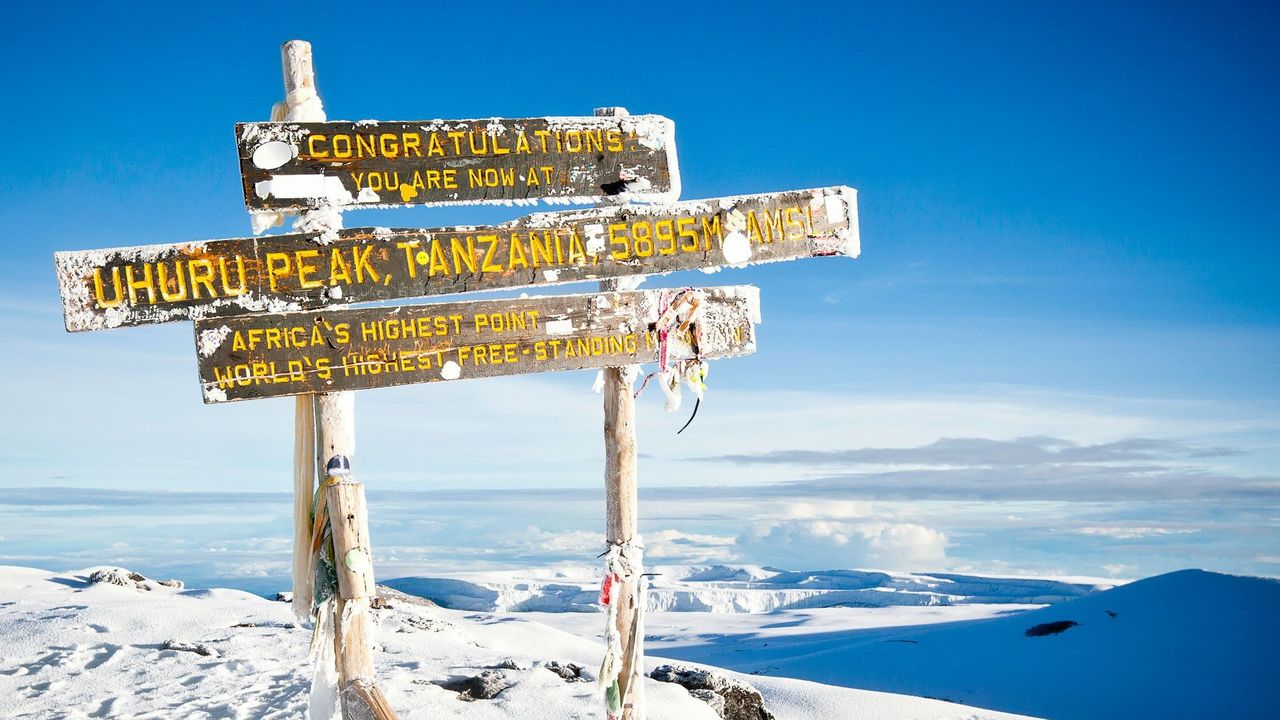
{"x": 1189, "y": 644}
{"x": 738, "y": 589}
{"x": 73, "y": 650}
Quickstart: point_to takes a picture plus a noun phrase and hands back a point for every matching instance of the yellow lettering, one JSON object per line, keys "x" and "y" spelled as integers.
{"x": 277, "y": 267}
{"x": 311, "y": 146}
{"x": 226, "y": 277}
{"x": 144, "y": 284}
{"x": 516, "y": 256}
{"x": 202, "y": 273}
{"x": 487, "y": 265}
{"x": 300, "y": 257}
{"x": 338, "y": 268}
{"x": 178, "y": 281}
{"x": 103, "y": 302}
{"x": 466, "y": 255}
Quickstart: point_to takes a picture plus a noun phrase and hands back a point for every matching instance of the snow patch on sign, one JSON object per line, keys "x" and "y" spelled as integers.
{"x": 272, "y": 154}
{"x": 325, "y": 221}
{"x": 211, "y": 339}
{"x": 595, "y": 238}
{"x": 451, "y": 371}
{"x": 303, "y": 187}
{"x": 850, "y": 237}
{"x": 263, "y": 220}
{"x": 367, "y": 195}
{"x": 559, "y": 327}
{"x": 736, "y": 248}
{"x": 214, "y": 394}
{"x": 551, "y": 275}
{"x": 629, "y": 282}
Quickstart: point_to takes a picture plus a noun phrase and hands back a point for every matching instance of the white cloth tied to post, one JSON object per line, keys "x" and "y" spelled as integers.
{"x": 623, "y": 562}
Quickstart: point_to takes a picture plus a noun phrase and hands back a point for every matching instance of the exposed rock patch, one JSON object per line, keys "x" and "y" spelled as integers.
{"x": 737, "y": 700}
{"x": 569, "y": 672}
{"x": 197, "y": 648}
{"x": 485, "y": 686}
{"x": 125, "y": 578}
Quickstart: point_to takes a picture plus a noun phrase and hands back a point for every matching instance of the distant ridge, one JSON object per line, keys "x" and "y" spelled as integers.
{"x": 739, "y": 589}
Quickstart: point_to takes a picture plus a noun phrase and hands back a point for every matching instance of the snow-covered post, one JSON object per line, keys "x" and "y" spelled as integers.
{"x": 621, "y": 522}
{"x": 334, "y": 438}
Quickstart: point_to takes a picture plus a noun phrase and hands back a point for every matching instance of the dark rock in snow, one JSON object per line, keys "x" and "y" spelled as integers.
{"x": 511, "y": 664}
{"x": 709, "y": 697}
{"x": 485, "y": 686}
{"x": 125, "y": 578}
{"x": 739, "y": 701}
{"x": 197, "y": 648}
{"x": 1050, "y": 628}
{"x": 390, "y": 597}
{"x": 111, "y": 576}
{"x": 283, "y": 597}
{"x": 569, "y": 672}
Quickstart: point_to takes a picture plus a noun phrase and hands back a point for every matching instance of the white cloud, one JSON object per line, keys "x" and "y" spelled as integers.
{"x": 835, "y": 509}
{"x": 573, "y": 541}
{"x": 677, "y": 546}
{"x": 1122, "y": 532}
{"x": 824, "y": 543}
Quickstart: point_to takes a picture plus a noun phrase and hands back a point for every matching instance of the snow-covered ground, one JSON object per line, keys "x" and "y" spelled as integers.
{"x": 75, "y": 650}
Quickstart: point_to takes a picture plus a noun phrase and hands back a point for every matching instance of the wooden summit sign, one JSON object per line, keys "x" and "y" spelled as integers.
{"x": 255, "y": 356}
{"x": 161, "y": 283}
{"x": 295, "y": 166}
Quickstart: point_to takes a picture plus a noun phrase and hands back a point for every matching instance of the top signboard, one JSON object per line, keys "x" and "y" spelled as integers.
{"x": 296, "y": 166}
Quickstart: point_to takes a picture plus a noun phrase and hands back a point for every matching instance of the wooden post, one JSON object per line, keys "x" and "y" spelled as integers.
{"x": 621, "y": 515}
{"x": 302, "y": 103}
{"x": 358, "y": 690}
{"x": 335, "y": 436}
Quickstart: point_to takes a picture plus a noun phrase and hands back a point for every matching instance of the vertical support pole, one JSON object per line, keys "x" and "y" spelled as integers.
{"x": 334, "y": 442}
{"x": 349, "y": 520}
{"x": 304, "y": 485}
{"x": 621, "y": 513}
{"x": 302, "y": 104}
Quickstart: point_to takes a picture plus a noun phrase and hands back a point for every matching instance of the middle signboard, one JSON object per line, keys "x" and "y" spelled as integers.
{"x": 161, "y": 283}
{"x": 265, "y": 355}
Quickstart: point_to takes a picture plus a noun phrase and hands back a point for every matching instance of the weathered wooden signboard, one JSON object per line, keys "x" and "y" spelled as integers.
{"x": 255, "y": 356}
{"x": 160, "y": 283}
{"x": 292, "y": 166}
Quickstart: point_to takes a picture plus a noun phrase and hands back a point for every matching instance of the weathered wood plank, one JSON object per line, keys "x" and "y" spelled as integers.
{"x": 257, "y": 356}
{"x": 293, "y": 166}
{"x": 161, "y": 283}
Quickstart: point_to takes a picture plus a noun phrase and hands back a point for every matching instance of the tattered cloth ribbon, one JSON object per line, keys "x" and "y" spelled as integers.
{"x": 623, "y": 561}
{"x": 679, "y": 313}
{"x": 323, "y": 601}
{"x": 693, "y": 371}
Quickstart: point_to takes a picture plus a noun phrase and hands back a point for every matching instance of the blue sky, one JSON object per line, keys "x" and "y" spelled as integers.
{"x": 1057, "y": 352}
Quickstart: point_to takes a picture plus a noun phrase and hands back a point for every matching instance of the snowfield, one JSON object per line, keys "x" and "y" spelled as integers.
{"x": 838, "y": 644}
{"x": 75, "y": 650}
{"x": 1189, "y": 644}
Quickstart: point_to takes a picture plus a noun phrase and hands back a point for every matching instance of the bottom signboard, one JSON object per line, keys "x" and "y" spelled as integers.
{"x": 256, "y": 356}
